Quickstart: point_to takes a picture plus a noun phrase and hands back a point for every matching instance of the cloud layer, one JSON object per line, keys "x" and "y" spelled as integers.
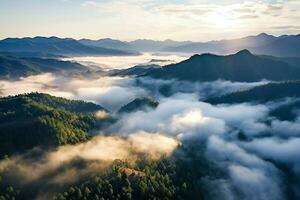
{"x": 258, "y": 152}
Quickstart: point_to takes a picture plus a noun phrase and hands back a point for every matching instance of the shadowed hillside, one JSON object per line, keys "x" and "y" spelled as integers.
{"x": 242, "y": 67}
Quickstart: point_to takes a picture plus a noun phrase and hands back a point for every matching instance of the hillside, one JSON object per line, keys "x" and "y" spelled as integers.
{"x": 14, "y": 67}
{"x": 137, "y": 70}
{"x": 139, "y": 104}
{"x": 55, "y": 45}
{"x": 262, "y": 94}
{"x": 242, "y": 66}
{"x": 35, "y": 119}
{"x": 266, "y": 93}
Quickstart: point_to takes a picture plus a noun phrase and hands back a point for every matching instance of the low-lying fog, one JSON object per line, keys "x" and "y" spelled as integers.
{"x": 250, "y": 163}
{"x": 122, "y": 62}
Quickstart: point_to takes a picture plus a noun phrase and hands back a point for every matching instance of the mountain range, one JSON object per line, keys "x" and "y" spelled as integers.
{"x": 242, "y": 66}
{"x": 140, "y": 45}
{"x": 263, "y": 44}
{"x": 281, "y": 46}
{"x": 55, "y": 45}
{"x": 12, "y": 67}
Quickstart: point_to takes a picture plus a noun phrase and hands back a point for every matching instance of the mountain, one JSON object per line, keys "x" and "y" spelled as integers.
{"x": 54, "y": 45}
{"x": 262, "y": 94}
{"x": 153, "y": 45}
{"x": 282, "y": 46}
{"x": 294, "y": 61}
{"x": 269, "y": 92}
{"x": 14, "y": 67}
{"x": 137, "y": 70}
{"x": 242, "y": 66}
{"x": 139, "y": 45}
{"x": 31, "y": 55}
{"x": 35, "y": 119}
{"x": 139, "y": 104}
{"x": 287, "y": 112}
{"x": 224, "y": 46}
{"x": 107, "y": 43}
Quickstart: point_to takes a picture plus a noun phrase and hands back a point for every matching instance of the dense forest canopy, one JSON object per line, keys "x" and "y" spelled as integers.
{"x": 174, "y": 132}
{"x": 36, "y": 119}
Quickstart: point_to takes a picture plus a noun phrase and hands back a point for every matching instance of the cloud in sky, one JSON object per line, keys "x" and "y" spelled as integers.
{"x": 181, "y": 19}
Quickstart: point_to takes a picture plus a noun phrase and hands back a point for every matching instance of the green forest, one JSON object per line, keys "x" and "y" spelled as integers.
{"x": 36, "y": 119}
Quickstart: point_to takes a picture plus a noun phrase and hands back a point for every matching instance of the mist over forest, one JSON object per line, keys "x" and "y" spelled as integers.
{"x": 211, "y": 114}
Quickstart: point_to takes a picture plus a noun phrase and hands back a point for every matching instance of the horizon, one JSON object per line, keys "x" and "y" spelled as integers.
{"x": 180, "y": 20}
{"x": 150, "y": 39}
{"x": 149, "y": 99}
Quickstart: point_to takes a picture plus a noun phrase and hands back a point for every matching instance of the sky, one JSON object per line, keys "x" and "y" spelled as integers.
{"x": 195, "y": 20}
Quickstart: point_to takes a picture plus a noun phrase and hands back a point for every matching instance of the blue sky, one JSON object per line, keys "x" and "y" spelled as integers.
{"x": 198, "y": 20}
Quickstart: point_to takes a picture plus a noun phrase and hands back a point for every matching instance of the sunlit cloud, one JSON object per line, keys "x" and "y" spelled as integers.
{"x": 158, "y": 20}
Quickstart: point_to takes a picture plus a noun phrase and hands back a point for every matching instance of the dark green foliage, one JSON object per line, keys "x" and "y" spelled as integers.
{"x": 139, "y": 104}
{"x": 242, "y": 66}
{"x": 66, "y": 104}
{"x": 157, "y": 183}
{"x": 8, "y": 192}
{"x": 35, "y": 119}
{"x": 262, "y": 94}
{"x": 177, "y": 177}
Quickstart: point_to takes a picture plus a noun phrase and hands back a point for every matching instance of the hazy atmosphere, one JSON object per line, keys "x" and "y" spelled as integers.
{"x": 149, "y": 100}
{"x": 150, "y": 19}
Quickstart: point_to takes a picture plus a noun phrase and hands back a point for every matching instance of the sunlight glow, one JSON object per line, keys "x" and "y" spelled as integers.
{"x": 222, "y": 19}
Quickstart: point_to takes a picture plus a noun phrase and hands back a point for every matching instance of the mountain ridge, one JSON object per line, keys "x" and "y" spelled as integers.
{"x": 55, "y": 45}
{"x": 260, "y": 44}
{"x": 242, "y": 67}
{"x": 14, "y": 67}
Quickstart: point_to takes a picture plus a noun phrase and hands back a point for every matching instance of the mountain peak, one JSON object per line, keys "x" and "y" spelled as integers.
{"x": 244, "y": 52}
{"x": 263, "y": 35}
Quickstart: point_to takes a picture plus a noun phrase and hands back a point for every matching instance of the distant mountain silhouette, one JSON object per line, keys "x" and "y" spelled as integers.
{"x": 54, "y": 45}
{"x": 109, "y": 43}
{"x": 242, "y": 66}
{"x": 282, "y": 46}
{"x": 144, "y": 45}
{"x": 13, "y": 67}
{"x": 153, "y": 45}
